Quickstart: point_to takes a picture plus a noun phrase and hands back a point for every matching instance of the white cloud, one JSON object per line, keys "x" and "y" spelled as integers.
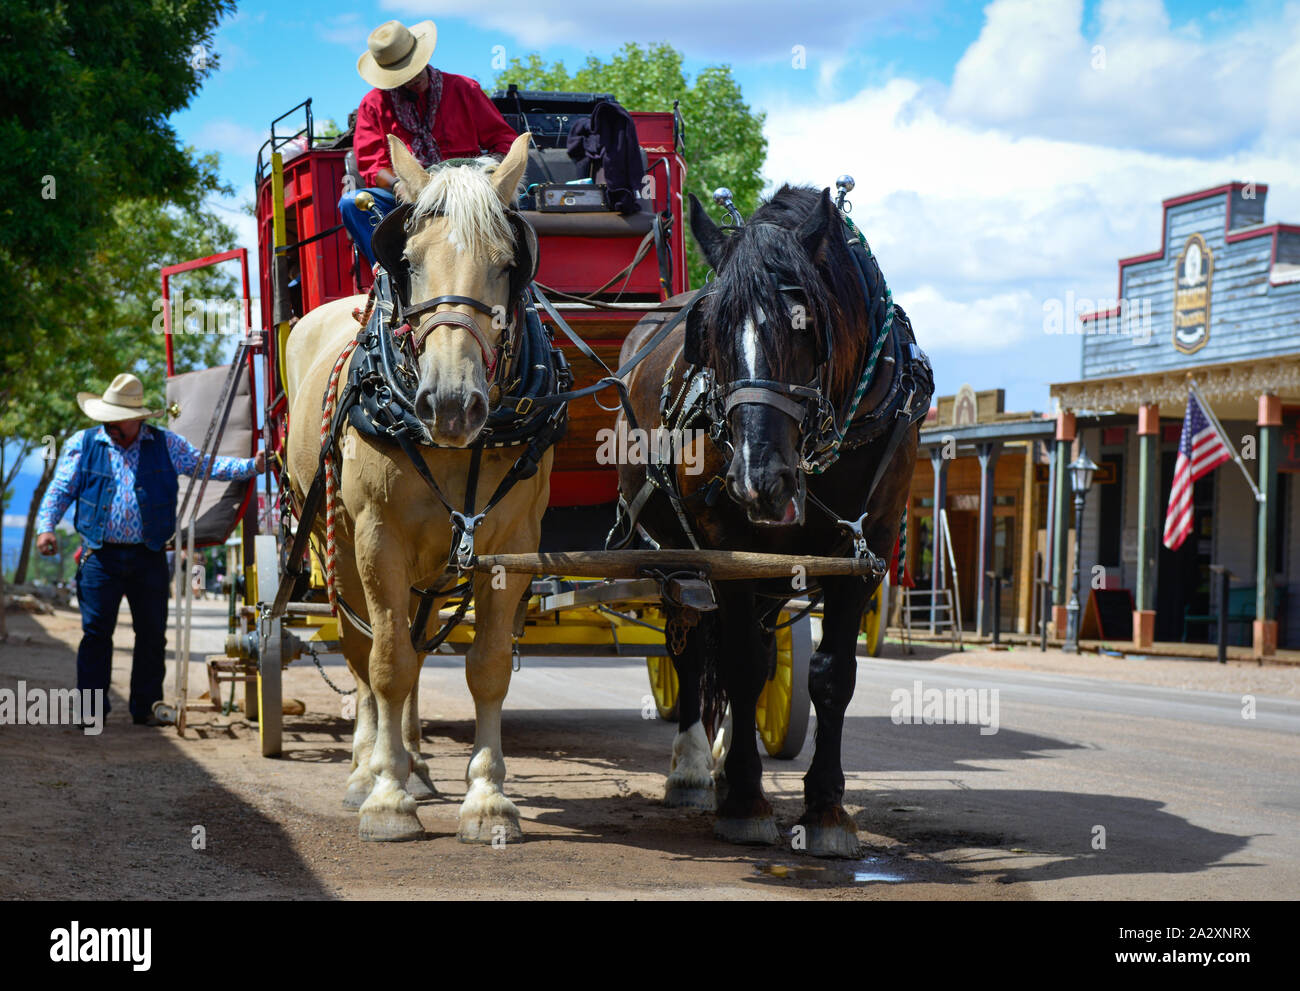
{"x": 1138, "y": 82}
{"x": 752, "y": 29}
{"x": 976, "y": 227}
{"x": 236, "y": 142}
{"x": 980, "y": 325}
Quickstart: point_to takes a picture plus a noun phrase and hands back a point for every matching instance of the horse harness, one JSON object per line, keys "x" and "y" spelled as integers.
{"x": 900, "y": 388}
{"x": 525, "y": 370}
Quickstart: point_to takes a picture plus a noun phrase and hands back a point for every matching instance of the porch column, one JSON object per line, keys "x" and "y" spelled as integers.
{"x": 1270, "y": 429}
{"x": 940, "y": 465}
{"x": 988, "y": 452}
{"x": 1065, "y": 431}
{"x": 1144, "y": 617}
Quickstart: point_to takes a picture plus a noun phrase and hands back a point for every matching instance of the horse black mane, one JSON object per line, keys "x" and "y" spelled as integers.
{"x": 766, "y": 253}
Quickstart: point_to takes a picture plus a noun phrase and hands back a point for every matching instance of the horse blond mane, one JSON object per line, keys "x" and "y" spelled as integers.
{"x": 464, "y": 196}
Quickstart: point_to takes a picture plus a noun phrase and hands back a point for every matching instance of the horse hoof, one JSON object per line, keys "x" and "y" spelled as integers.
{"x": 390, "y": 826}
{"x": 760, "y": 831}
{"x": 494, "y": 831}
{"x": 833, "y": 841}
{"x": 679, "y": 797}
{"x": 419, "y": 787}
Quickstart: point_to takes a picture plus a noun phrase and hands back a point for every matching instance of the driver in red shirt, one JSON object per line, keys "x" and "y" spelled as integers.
{"x": 437, "y": 114}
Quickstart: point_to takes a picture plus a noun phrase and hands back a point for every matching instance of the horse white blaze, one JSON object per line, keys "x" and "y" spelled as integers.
{"x": 749, "y": 349}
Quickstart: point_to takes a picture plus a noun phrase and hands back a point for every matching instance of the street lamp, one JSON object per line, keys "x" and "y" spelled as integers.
{"x": 1081, "y": 470}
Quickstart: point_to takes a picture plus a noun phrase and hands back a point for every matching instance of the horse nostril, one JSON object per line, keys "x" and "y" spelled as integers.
{"x": 424, "y": 405}
{"x": 785, "y": 482}
{"x": 476, "y": 413}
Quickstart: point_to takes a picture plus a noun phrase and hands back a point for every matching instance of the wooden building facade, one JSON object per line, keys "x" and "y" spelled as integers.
{"x": 981, "y": 465}
{"x": 1217, "y": 304}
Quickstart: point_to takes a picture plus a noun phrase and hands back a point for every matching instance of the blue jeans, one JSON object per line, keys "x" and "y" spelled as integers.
{"x": 104, "y": 577}
{"x": 361, "y": 223}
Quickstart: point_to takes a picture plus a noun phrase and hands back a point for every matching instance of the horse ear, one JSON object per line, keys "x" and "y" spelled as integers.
{"x": 812, "y": 232}
{"x": 506, "y": 176}
{"x": 706, "y": 232}
{"x": 408, "y": 169}
{"x": 693, "y": 343}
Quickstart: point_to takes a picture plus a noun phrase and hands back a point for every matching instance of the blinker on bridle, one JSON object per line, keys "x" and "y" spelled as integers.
{"x": 807, "y": 404}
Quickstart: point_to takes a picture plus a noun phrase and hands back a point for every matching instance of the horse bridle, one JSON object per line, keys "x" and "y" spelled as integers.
{"x": 389, "y": 245}
{"x": 806, "y": 404}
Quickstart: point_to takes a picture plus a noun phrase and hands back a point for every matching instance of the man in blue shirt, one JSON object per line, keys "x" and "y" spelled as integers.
{"x": 122, "y": 478}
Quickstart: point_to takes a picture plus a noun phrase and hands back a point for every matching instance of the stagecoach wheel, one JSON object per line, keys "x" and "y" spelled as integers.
{"x": 269, "y": 689}
{"x": 783, "y": 705}
{"x": 876, "y": 617}
{"x": 165, "y": 713}
{"x": 663, "y": 684}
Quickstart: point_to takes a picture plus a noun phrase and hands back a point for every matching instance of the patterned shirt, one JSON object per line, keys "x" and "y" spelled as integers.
{"x": 124, "y": 523}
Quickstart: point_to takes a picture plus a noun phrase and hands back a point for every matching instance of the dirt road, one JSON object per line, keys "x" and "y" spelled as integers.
{"x": 114, "y": 816}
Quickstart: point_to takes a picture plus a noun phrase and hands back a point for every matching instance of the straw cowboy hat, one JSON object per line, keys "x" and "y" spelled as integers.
{"x": 395, "y": 54}
{"x": 123, "y": 400}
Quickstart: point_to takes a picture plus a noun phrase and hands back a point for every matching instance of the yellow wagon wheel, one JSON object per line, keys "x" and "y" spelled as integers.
{"x": 783, "y": 705}
{"x": 663, "y": 684}
{"x": 876, "y": 617}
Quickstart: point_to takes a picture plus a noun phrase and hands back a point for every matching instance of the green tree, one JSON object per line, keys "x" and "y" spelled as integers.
{"x": 87, "y": 87}
{"x": 107, "y": 323}
{"x": 724, "y": 137}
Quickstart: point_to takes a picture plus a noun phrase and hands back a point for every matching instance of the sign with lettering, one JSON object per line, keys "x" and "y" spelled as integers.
{"x": 1192, "y": 278}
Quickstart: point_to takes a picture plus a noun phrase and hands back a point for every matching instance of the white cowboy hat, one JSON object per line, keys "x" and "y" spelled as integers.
{"x": 395, "y": 54}
{"x": 123, "y": 400}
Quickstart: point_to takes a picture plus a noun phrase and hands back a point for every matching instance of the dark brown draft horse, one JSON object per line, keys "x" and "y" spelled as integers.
{"x": 808, "y": 382}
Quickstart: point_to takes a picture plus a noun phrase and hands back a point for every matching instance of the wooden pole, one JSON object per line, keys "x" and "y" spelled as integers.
{"x": 721, "y": 565}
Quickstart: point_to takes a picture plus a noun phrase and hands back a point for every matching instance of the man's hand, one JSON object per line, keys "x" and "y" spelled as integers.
{"x": 259, "y": 462}
{"x": 47, "y": 544}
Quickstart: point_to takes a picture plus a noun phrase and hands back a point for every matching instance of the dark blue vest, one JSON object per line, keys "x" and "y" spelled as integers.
{"x": 155, "y": 488}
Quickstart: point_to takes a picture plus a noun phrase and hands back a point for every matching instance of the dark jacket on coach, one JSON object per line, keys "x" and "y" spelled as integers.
{"x": 607, "y": 139}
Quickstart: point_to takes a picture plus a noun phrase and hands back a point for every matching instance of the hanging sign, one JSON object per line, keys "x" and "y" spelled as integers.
{"x": 1192, "y": 277}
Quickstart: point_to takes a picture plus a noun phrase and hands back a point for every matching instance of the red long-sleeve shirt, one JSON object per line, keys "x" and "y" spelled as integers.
{"x": 467, "y": 125}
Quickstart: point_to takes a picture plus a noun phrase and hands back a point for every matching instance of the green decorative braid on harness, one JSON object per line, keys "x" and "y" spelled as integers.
{"x": 902, "y": 546}
{"x": 827, "y": 459}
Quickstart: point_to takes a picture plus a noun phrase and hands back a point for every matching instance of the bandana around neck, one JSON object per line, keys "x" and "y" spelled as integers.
{"x": 405, "y": 108}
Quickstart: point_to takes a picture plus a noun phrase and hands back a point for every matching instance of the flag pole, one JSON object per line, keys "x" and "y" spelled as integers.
{"x": 1226, "y": 439}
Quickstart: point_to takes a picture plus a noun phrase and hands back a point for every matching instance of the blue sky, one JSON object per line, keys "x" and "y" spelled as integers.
{"x": 1006, "y": 153}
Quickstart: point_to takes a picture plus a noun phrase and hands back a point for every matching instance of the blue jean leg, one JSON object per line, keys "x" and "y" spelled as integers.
{"x": 360, "y": 223}
{"x": 99, "y": 594}
{"x": 146, "y": 592}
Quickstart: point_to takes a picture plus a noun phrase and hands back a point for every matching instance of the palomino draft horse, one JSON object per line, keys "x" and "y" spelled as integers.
{"x": 460, "y": 258}
{"x": 811, "y": 385}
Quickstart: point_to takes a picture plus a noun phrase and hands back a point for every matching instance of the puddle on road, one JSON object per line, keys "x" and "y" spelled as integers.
{"x": 867, "y": 870}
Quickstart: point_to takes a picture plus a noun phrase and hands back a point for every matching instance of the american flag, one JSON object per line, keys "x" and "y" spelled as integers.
{"x": 1201, "y": 449}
